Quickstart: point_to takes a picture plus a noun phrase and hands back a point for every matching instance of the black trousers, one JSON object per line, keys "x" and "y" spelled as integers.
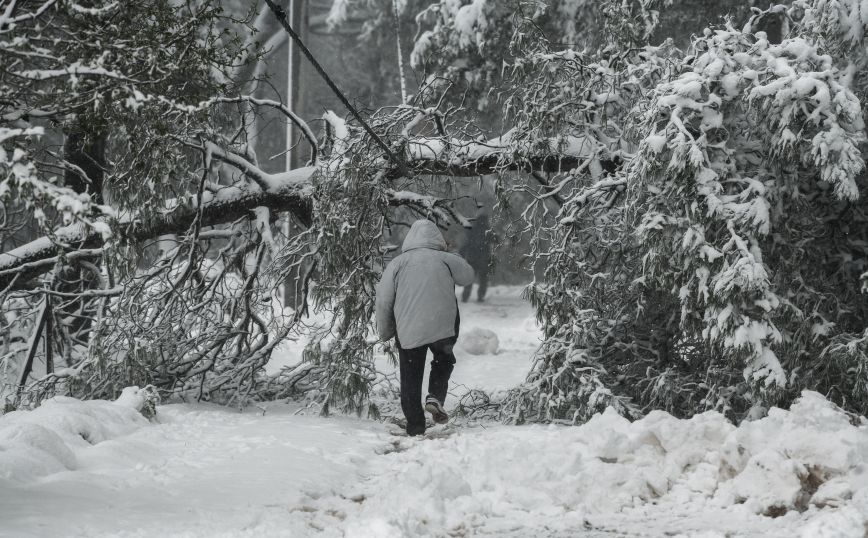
{"x": 412, "y": 366}
{"x": 482, "y": 276}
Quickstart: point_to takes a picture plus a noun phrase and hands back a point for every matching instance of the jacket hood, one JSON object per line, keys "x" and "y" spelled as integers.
{"x": 424, "y": 234}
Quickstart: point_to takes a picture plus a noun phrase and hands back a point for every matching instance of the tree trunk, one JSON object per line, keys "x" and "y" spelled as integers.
{"x": 85, "y": 172}
{"x": 37, "y": 257}
{"x": 293, "y": 294}
{"x": 85, "y": 154}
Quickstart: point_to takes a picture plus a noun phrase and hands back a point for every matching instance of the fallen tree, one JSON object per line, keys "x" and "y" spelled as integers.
{"x": 703, "y": 250}
{"x": 81, "y": 242}
{"x": 279, "y": 193}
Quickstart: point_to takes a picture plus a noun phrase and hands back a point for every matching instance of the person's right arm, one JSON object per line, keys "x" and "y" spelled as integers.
{"x": 384, "y": 304}
{"x": 462, "y": 272}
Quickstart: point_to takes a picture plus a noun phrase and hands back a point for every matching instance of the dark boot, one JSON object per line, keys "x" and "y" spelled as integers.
{"x": 435, "y": 407}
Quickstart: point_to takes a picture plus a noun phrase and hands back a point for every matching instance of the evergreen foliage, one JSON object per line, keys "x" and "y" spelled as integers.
{"x": 719, "y": 267}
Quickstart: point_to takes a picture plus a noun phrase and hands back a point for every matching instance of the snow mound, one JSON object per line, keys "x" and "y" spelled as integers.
{"x": 46, "y": 440}
{"x": 479, "y": 341}
{"x": 808, "y": 456}
{"x": 143, "y": 400}
{"x": 809, "y": 463}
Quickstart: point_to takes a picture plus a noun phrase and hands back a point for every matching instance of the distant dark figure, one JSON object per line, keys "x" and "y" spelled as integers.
{"x": 477, "y": 251}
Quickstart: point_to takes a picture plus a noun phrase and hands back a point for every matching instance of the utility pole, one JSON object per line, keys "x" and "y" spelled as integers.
{"x": 295, "y": 12}
{"x": 291, "y": 79}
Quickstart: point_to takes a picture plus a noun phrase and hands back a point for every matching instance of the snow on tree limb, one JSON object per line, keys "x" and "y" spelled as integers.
{"x": 74, "y": 70}
{"x": 457, "y": 158}
{"x": 290, "y": 193}
{"x": 7, "y": 18}
{"x": 493, "y": 163}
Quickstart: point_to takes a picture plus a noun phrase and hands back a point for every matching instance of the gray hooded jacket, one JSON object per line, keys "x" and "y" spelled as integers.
{"x": 416, "y": 294}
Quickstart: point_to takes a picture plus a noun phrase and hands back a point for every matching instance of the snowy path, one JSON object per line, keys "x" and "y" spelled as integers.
{"x": 99, "y": 469}
{"x": 504, "y": 312}
{"x": 202, "y": 471}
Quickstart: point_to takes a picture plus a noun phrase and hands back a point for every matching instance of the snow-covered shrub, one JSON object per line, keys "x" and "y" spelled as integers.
{"x": 718, "y": 266}
{"x": 587, "y": 243}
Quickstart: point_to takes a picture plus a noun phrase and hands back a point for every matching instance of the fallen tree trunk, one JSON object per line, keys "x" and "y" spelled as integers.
{"x": 288, "y": 192}
{"x": 494, "y": 163}
{"x": 75, "y": 242}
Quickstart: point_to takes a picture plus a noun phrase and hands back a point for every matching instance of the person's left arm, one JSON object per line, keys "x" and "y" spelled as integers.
{"x": 385, "y": 303}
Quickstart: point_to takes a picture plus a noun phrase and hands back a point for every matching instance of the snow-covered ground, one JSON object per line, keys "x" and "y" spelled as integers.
{"x": 75, "y": 468}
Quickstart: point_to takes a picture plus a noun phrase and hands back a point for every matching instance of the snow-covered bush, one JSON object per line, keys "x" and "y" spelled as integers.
{"x": 717, "y": 265}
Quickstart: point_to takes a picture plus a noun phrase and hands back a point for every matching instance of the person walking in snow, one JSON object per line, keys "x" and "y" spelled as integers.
{"x": 477, "y": 251}
{"x": 416, "y": 302}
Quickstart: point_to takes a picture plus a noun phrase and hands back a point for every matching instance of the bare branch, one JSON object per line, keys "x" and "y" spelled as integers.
{"x": 293, "y": 117}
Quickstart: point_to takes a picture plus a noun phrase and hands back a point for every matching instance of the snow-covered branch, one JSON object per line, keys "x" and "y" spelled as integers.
{"x": 459, "y": 158}
{"x": 287, "y": 192}
{"x": 8, "y": 17}
{"x": 265, "y": 180}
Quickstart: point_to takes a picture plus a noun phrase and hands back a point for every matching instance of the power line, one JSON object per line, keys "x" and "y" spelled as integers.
{"x": 281, "y": 17}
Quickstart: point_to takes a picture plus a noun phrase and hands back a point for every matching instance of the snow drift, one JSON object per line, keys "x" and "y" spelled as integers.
{"x": 46, "y": 440}
{"x": 809, "y": 463}
{"x": 801, "y": 472}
